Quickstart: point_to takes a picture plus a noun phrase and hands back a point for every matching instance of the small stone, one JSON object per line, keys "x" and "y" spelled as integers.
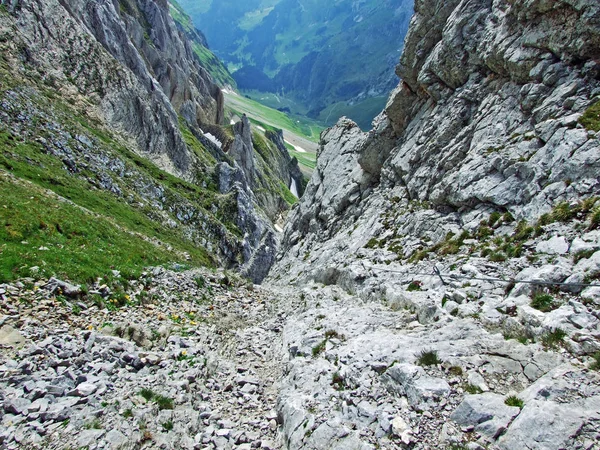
{"x": 83, "y": 390}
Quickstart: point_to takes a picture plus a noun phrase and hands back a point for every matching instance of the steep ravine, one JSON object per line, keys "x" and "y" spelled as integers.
{"x": 416, "y": 301}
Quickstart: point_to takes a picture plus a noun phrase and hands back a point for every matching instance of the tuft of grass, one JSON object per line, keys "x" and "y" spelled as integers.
{"x": 543, "y": 302}
{"x": 514, "y": 401}
{"x": 591, "y": 117}
{"x": 338, "y": 382}
{"x": 332, "y": 334}
{"x": 319, "y": 348}
{"x": 163, "y": 402}
{"x": 93, "y": 425}
{"x": 128, "y": 413}
{"x": 167, "y": 426}
{"x": 583, "y": 254}
{"x": 594, "y": 219}
{"x": 148, "y": 394}
{"x": 428, "y": 358}
{"x": 414, "y": 286}
{"x": 596, "y": 363}
{"x": 472, "y": 389}
{"x": 456, "y": 371}
{"x": 564, "y": 212}
{"x": 554, "y": 338}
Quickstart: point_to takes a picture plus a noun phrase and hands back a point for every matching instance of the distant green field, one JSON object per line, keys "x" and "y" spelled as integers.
{"x": 301, "y": 126}
{"x": 362, "y": 113}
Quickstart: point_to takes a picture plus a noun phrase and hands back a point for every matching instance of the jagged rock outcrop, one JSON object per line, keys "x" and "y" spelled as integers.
{"x": 479, "y": 171}
{"x": 485, "y": 119}
{"x": 133, "y": 63}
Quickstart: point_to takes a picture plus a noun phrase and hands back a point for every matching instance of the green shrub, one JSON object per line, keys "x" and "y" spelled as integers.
{"x": 428, "y": 358}
{"x": 514, "y": 401}
{"x": 543, "y": 302}
{"x": 167, "y": 426}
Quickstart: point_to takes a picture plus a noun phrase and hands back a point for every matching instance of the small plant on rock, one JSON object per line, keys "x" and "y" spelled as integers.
{"x": 428, "y": 358}
{"x": 596, "y": 363}
{"x": 338, "y": 382}
{"x": 554, "y": 338}
{"x": 472, "y": 389}
{"x": 456, "y": 370}
{"x": 148, "y": 394}
{"x": 543, "y": 302}
{"x": 414, "y": 286}
{"x": 513, "y": 400}
{"x": 163, "y": 402}
{"x": 319, "y": 348}
{"x": 168, "y": 425}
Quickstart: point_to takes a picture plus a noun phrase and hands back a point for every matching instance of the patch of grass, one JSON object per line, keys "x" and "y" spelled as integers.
{"x": 163, "y": 402}
{"x": 591, "y": 117}
{"x": 373, "y": 243}
{"x": 428, "y": 358}
{"x": 554, "y": 338}
{"x": 594, "y": 218}
{"x": 167, "y": 426}
{"x": 472, "y": 389}
{"x": 583, "y": 254}
{"x": 338, "y": 382}
{"x": 128, "y": 413}
{"x": 64, "y": 240}
{"x": 93, "y": 425}
{"x": 319, "y": 348}
{"x": 456, "y": 371}
{"x": 523, "y": 231}
{"x": 332, "y": 334}
{"x": 414, "y": 286}
{"x": 543, "y": 302}
{"x": 596, "y": 363}
{"x": 514, "y": 401}
{"x": 497, "y": 257}
{"x": 148, "y": 394}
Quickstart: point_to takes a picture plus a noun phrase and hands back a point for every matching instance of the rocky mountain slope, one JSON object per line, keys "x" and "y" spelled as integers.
{"x": 472, "y": 199}
{"x": 438, "y": 285}
{"x": 92, "y": 90}
{"x": 320, "y": 58}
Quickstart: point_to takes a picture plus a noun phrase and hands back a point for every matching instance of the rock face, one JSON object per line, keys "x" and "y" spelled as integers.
{"x": 479, "y": 171}
{"x": 131, "y": 59}
{"x": 484, "y": 120}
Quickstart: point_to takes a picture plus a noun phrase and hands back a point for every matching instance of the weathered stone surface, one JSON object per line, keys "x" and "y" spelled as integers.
{"x": 487, "y": 413}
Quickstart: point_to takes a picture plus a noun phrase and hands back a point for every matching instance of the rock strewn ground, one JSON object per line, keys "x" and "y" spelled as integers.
{"x": 203, "y": 345}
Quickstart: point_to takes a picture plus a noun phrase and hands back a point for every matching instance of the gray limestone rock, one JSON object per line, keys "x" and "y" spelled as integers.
{"x": 487, "y": 413}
